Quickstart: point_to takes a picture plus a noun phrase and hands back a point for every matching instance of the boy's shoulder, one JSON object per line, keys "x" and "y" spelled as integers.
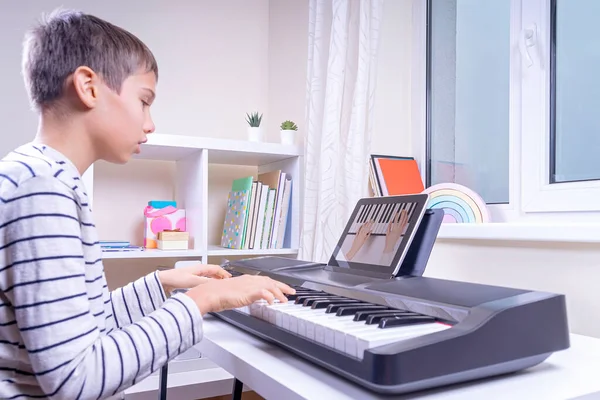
{"x": 33, "y": 163}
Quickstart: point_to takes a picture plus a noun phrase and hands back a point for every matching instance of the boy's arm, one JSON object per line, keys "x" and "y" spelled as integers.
{"x": 42, "y": 274}
{"x": 137, "y": 299}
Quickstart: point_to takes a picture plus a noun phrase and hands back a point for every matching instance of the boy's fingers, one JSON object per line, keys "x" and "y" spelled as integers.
{"x": 284, "y": 288}
{"x": 221, "y": 273}
{"x": 198, "y": 280}
{"x": 268, "y": 296}
{"x": 279, "y": 295}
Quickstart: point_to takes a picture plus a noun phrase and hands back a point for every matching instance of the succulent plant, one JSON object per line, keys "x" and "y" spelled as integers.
{"x": 254, "y": 119}
{"x": 289, "y": 126}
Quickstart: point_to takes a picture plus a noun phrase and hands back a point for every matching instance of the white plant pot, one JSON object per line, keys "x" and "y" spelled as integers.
{"x": 255, "y": 134}
{"x": 288, "y": 136}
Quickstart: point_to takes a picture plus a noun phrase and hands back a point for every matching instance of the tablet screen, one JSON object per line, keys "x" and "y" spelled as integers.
{"x": 379, "y": 232}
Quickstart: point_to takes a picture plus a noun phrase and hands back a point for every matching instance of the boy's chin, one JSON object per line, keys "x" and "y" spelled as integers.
{"x": 118, "y": 158}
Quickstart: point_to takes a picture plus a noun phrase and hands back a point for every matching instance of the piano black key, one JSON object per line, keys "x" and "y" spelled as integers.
{"x": 384, "y": 213}
{"x": 300, "y": 299}
{"x": 332, "y": 308}
{"x": 375, "y": 318}
{"x": 369, "y": 213}
{"x": 350, "y": 310}
{"x": 295, "y": 295}
{"x": 404, "y": 320}
{"x": 325, "y": 303}
{"x": 363, "y": 315}
{"x": 361, "y": 215}
{"x": 309, "y": 302}
{"x": 388, "y": 213}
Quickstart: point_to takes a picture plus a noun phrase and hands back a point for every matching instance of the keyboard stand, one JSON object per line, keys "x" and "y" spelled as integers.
{"x": 162, "y": 383}
{"x": 237, "y": 389}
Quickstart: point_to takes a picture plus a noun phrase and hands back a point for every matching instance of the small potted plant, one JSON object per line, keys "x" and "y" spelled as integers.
{"x": 254, "y": 128}
{"x": 288, "y": 132}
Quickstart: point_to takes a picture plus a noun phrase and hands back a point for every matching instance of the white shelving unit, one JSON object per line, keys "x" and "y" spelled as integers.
{"x": 192, "y": 156}
{"x": 194, "y": 376}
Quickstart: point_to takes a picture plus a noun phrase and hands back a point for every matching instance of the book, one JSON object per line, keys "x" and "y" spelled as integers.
{"x": 243, "y": 185}
{"x": 394, "y": 175}
{"x": 235, "y": 219}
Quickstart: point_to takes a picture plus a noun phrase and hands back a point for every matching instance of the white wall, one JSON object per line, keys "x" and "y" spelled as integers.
{"x": 567, "y": 268}
{"x": 392, "y": 125}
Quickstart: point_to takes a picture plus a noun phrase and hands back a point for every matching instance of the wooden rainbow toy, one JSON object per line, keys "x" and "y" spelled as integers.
{"x": 460, "y": 204}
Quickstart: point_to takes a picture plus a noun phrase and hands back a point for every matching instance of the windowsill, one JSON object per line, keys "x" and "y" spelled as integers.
{"x": 533, "y": 232}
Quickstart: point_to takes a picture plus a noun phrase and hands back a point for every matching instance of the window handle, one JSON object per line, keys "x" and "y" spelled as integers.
{"x": 527, "y": 41}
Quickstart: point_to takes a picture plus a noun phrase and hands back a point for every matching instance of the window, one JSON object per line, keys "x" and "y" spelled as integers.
{"x": 512, "y": 99}
{"x": 468, "y": 80}
{"x": 574, "y": 66}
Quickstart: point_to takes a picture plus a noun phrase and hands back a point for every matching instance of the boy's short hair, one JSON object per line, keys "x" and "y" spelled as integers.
{"x": 68, "y": 39}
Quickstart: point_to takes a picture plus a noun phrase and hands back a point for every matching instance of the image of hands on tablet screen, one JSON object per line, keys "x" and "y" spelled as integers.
{"x": 384, "y": 244}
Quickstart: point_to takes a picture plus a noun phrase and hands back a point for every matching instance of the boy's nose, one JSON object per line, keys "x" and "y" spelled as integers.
{"x": 149, "y": 126}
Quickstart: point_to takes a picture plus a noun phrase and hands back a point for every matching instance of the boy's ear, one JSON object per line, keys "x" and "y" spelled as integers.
{"x": 85, "y": 83}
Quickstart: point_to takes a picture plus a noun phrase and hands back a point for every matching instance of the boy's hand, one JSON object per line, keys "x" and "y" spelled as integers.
{"x": 188, "y": 277}
{"x": 218, "y": 295}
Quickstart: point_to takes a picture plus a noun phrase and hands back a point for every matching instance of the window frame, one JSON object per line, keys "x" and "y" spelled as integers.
{"x": 531, "y": 194}
{"x": 539, "y": 193}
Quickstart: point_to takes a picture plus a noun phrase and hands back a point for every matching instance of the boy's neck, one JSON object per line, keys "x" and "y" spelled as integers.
{"x": 67, "y": 136}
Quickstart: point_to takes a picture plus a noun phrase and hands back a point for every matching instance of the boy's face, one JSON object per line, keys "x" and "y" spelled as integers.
{"x": 122, "y": 120}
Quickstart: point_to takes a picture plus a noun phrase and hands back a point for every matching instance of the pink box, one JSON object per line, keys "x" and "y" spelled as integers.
{"x": 161, "y": 219}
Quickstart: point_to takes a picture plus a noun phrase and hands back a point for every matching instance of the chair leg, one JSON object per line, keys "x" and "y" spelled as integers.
{"x": 237, "y": 389}
{"x": 162, "y": 384}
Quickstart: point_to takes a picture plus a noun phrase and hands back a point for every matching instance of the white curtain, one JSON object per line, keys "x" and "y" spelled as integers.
{"x": 342, "y": 65}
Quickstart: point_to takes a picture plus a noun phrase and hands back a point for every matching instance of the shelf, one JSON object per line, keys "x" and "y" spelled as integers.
{"x": 190, "y": 379}
{"x": 532, "y": 232}
{"x": 220, "y": 151}
{"x": 153, "y": 253}
{"x": 214, "y": 250}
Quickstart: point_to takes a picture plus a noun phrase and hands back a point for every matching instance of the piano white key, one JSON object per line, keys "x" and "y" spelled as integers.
{"x": 341, "y": 333}
{"x": 324, "y": 328}
{"x": 243, "y": 310}
{"x": 256, "y": 308}
{"x": 302, "y": 318}
{"x": 384, "y": 218}
{"x": 356, "y": 223}
{"x": 315, "y": 326}
{"x": 393, "y": 335}
{"x": 293, "y": 321}
{"x": 277, "y": 310}
{"x": 345, "y": 339}
{"x": 289, "y": 319}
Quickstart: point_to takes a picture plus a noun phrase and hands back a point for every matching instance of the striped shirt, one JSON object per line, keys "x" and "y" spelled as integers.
{"x": 63, "y": 334}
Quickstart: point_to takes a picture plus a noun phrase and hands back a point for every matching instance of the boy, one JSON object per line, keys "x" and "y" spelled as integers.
{"x": 63, "y": 335}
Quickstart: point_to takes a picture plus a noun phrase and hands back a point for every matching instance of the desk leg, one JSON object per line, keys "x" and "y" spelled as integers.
{"x": 162, "y": 383}
{"x": 237, "y": 389}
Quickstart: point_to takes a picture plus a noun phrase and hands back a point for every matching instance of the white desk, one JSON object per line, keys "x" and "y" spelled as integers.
{"x": 277, "y": 374}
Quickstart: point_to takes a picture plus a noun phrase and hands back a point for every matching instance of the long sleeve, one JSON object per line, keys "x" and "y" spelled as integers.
{"x": 137, "y": 299}
{"x": 53, "y": 311}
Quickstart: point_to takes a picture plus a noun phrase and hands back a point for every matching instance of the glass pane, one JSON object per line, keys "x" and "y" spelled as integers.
{"x": 577, "y": 66}
{"x": 470, "y": 44}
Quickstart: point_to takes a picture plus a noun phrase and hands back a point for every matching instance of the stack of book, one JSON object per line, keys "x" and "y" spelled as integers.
{"x": 393, "y": 176}
{"x": 257, "y": 212}
{"x": 118, "y": 245}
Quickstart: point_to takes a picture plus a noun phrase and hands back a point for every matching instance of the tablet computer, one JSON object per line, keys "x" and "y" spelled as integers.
{"x": 379, "y": 233}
